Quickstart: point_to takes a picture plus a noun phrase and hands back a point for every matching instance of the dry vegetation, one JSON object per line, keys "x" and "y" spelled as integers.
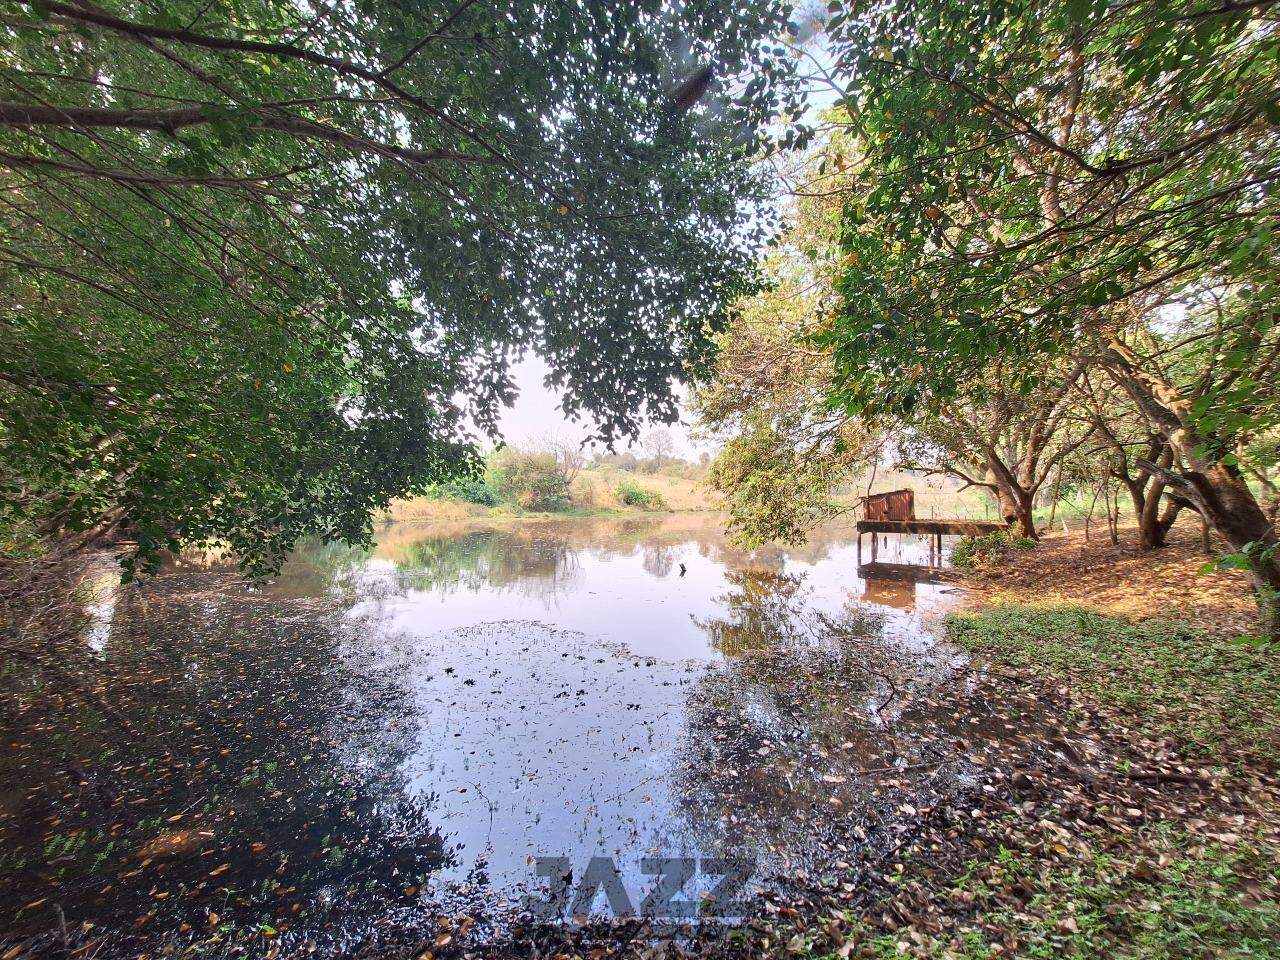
{"x": 592, "y": 490}
{"x": 1121, "y": 580}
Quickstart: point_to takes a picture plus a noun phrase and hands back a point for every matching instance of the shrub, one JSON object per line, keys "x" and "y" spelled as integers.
{"x": 972, "y": 552}
{"x": 634, "y": 495}
{"x": 474, "y": 490}
{"x": 470, "y": 489}
{"x": 533, "y": 481}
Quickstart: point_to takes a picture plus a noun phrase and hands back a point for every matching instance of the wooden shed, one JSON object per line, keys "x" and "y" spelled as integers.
{"x": 894, "y": 505}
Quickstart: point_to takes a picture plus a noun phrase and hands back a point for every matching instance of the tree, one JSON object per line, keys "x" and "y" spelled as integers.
{"x": 1005, "y": 440}
{"x": 1134, "y": 450}
{"x": 792, "y": 445}
{"x": 532, "y": 479}
{"x": 1206, "y": 385}
{"x": 570, "y": 456}
{"x": 1030, "y": 177}
{"x": 786, "y": 449}
{"x": 659, "y": 445}
{"x": 263, "y": 265}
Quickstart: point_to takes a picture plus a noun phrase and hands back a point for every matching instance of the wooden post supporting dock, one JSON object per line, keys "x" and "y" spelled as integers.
{"x": 935, "y": 530}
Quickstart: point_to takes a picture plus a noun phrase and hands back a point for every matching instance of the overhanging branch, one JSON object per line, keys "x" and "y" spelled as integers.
{"x": 170, "y": 121}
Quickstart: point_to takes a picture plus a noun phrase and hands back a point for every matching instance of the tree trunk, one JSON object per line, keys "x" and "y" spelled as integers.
{"x": 1216, "y": 489}
{"x": 1016, "y": 503}
{"x": 1016, "y": 509}
{"x": 1157, "y": 530}
{"x": 1229, "y": 505}
{"x": 1151, "y": 522}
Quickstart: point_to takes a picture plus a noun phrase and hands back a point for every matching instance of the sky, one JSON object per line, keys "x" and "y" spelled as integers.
{"x": 536, "y": 415}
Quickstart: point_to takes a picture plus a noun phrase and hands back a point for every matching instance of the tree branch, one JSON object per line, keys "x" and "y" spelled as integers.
{"x": 172, "y": 120}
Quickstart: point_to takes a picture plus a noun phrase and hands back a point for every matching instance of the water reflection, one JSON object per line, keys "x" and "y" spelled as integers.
{"x": 259, "y": 782}
{"x": 378, "y": 735}
{"x": 808, "y": 717}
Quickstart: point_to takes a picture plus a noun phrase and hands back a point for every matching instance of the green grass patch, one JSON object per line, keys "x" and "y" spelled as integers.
{"x": 1177, "y": 898}
{"x": 1165, "y": 895}
{"x": 1206, "y": 900}
{"x": 1219, "y": 698}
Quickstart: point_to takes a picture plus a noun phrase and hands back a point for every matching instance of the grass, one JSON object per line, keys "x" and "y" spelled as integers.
{"x": 1169, "y": 897}
{"x": 1219, "y": 698}
{"x": 1195, "y": 900}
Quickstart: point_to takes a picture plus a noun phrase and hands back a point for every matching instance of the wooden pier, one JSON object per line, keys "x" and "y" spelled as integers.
{"x": 950, "y": 528}
{"x": 934, "y": 529}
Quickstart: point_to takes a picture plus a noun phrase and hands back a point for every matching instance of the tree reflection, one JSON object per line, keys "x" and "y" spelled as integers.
{"x": 262, "y": 783}
{"x": 781, "y": 739}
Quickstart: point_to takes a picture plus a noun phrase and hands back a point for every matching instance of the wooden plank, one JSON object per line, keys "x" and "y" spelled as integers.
{"x": 893, "y": 505}
{"x": 955, "y": 528}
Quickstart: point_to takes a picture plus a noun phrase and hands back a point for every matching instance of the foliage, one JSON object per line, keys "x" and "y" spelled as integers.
{"x": 266, "y": 265}
{"x": 633, "y": 494}
{"x": 530, "y": 480}
{"x": 786, "y": 450}
{"x": 971, "y": 552}
{"x": 1071, "y": 178}
{"x": 790, "y": 447}
{"x": 1026, "y": 170}
{"x": 1218, "y": 698}
{"x": 470, "y": 489}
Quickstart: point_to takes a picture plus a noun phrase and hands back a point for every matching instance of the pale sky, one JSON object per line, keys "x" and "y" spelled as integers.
{"x": 536, "y": 414}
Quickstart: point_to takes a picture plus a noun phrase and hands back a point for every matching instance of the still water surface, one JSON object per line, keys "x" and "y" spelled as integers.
{"x": 379, "y": 737}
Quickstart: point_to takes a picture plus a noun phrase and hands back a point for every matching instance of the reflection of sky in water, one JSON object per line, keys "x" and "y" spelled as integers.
{"x": 554, "y": 671}
{"x": 436, "y": 713}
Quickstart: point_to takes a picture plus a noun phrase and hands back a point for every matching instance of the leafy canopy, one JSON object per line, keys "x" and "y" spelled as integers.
{"x": 1027, "y": 171}
{"x": 265, "y": 265}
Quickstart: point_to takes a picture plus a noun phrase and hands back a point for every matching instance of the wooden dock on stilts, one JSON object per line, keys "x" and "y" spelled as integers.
{"x": 935, "y": 529}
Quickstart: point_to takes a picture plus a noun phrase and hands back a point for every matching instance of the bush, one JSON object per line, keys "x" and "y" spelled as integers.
{"x": 972, "y": 552}
{"x": 634, "y": 495}
{"x": 532, "y": 481}
{"x": 470, "y": 489}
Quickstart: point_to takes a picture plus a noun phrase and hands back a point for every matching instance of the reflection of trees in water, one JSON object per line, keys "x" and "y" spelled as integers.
{"x": 314, "y": 566}
{"x": 491, "y": 558}
{"x": 804, "y": 700}
{"x": 535, "y": 557}
{"x": 658, "y": 560}
{"x": 760, "y": 613}
{"x": 265, "y": 773}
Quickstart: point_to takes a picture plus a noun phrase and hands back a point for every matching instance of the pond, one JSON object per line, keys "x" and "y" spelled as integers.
{"x": 451, "y": 724}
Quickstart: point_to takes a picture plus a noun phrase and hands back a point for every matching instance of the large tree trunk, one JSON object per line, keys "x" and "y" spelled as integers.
{"x": 1151, "y": 522}
{"x": 1232, "y": 509}
{"x": 1215, "y": 488}
{"x": 1154, "y": 529}
{"x": 1015, "y": 505}
{"x": 1015, "y": 501}
{"x": 1223, "y": 498}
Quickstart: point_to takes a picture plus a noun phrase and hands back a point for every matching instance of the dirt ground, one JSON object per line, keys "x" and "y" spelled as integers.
{"x": 1121, "y": 580}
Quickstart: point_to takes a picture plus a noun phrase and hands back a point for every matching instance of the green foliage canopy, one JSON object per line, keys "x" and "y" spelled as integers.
{"x": 1027, "y": 172}
{"x": 264, "y": 265}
